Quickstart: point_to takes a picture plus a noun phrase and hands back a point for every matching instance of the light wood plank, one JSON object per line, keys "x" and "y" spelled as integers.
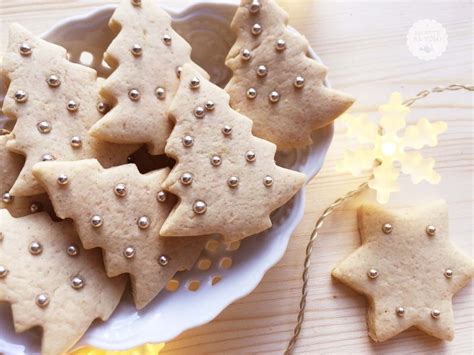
{"x": 363, "y": 44}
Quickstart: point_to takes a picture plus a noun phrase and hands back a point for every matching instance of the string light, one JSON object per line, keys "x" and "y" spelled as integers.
{"x": 392, "y": 146}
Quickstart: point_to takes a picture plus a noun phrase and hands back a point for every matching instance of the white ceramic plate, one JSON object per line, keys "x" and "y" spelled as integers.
{"x": 206, "y": 27}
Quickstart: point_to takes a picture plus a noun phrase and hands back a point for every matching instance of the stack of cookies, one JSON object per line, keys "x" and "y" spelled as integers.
{"x": 70, "y": 187}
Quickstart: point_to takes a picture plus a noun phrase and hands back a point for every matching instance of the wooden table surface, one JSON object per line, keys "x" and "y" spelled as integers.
{"x": 364, "y": 45}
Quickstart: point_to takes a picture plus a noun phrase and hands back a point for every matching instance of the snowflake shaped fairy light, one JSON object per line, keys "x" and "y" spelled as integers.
{"x": 387, "y": 148}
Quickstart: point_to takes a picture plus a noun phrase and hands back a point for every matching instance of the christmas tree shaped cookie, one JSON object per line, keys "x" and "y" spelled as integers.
{"x": 122, "y": 213}
{"x": 275, "y": 84}
{"x": 51, "y": 282}
{"x": 148, "y": 56}
{"x": 10, "y": 168}
{"x": 226, "y": 179}
{"x": 54, "y": 102}
{"x": 409, "y": 270}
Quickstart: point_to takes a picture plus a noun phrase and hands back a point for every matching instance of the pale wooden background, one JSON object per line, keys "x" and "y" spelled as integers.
{"x": 364, "y": 45}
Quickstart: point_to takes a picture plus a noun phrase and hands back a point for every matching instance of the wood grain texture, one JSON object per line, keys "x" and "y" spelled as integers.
{"x": 364, "y": 45}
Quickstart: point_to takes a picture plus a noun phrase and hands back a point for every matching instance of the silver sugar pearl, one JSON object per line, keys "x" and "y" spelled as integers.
{"x": 262, "y": 71}
{"x": 431, "y": 230}
{"x": 120, "y": 190}
{"x": 35, "y": 207}
{"x": 35, "y": 248}
{"x": 143, "y": 222}
{"x": 216, "y": 160}
{"x": 199, "y": 207}
{"x": 3, "y": 272}
{"x": 160, "y": 93}
{"x": 274, "y": 97}
{"x": 245, "y": 54}
{"x": 25, "y": 49}
{"x": 44, "y": 127}
{"x": 72, "y": 250}
{"x": 251, "y": 93}
{"x": 62, "y": 179}
{"x": 47, "y": 157}
{"x": 186, "y": 178}
{"x": 163, "y": 260}
{"x": 42, "y": 300}
{"x": 77, "y": 282}
{"x": 268, "y": 181}
{"x": 255, "y": 6}
{"x": 435, "y": 313}
{"x": 129, "y": 252}
{"x": 448, "y": 273}
{"x": 400, "y": 311}
{"x": 387, "y": 228}
{"x": 194, "y": 83}
{"x": 7, "y": 197}
{"x": 72, "y": 106}
{"x": 136, "y": 50}
{"x": 233, "y": 181}
{"x": 210, "y": 105}
{"x": 96, "y": 221}
{"x": 280, "y": 45}
{"x": 299, "y": 82}
{"x": 250, "y": 156}
{"x": 161, "y": 196}
{"x": 179, "y": 70}
{"x": 102, "y": 107}
{"x": 53, "y": 81}
{"x": 373, "y": 273}
{"x": 256, "y": 29}
{"x": 134, "y": 95}
{"x": 166, "y": 39}
{"x": 199, "y": 112}
{"x": 187, "y": 141}
{"x": 21, "y": 96}
{"x": 227, "y": 130}
{"x": 76, "y": 142}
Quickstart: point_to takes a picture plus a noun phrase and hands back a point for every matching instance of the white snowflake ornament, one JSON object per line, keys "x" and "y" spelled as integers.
{"x": 388, "y": 147}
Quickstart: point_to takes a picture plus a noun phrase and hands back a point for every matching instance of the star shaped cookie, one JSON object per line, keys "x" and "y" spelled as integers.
{"x": 408, "y": 269}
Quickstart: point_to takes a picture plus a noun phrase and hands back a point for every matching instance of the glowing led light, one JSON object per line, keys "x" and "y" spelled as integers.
{"x": 386, "y": 145}
{"x": 389, "y": 149}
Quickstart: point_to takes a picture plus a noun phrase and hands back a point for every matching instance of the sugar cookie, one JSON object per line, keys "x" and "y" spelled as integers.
{"x": 409, "y": 270}
{"x": 121, "y": 211}
{"x": 275, "y": 83}
{"x": 51, "y": 281}
{"x": 226, "y": 179}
